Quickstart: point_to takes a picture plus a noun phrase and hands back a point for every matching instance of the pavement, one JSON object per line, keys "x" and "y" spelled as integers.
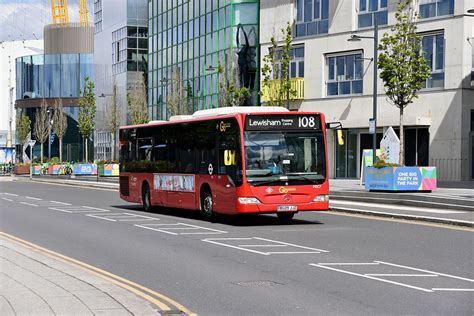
{"x": 35, "y": 281}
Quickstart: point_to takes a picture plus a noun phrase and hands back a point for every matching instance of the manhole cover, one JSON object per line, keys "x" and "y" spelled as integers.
{"x": 258, "y": 283}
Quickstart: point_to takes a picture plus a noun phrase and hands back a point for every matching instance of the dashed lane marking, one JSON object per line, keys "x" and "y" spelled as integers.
{"x": 59, "y": 209}
{"x": 33, "y": 198}
{"x": 6, "y": 199}
{"x": 30, "y": 204}
{"x": 268, "y": 243}
{"x": 10, "y": 194}
{"x": 62, "y": 203}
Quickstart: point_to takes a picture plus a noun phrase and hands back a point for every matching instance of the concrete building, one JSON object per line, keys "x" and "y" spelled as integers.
{"x": 338, "y": 74}
{"x": 58, "y": 73}
{"x": 121, "y": 53}
{"x": 9, "y": 51}
{"x": 190, "y": 41}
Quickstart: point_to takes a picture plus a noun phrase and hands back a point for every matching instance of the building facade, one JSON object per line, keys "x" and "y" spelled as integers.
{"x": 338, "y": 78}
{"x": 57, "y": 74}
{"x": 191, "y": 42}
{"x": 9, "y": 51}
{"x": 121, "y": 53}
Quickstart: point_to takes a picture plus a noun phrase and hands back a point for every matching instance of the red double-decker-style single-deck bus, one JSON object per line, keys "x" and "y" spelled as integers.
{"x": 228, "y": 161}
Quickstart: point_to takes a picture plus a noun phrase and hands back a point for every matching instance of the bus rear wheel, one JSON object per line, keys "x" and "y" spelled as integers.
{"x": 285, "y": 217}
{"x": 207, "y": 205}
{"x": 146, "y": 202}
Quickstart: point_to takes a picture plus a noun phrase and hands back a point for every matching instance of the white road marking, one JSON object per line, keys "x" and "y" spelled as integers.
{"x": 26, "y": 203}
{"x": 62, "y": 203}
{"x": 349, "y": 264}
{"x": 58, "y": 209}
{"x": 100, "y": 217}
{"x": 4, "y": 198}
{"x": 96, "y": 208}
{"x": 11, "y": 194}
{"x": 454, "y": 290}
{"x": 143, "y": 216}
{"x": 401, "y": 275}
{"x": 166, "y": 228}
{"x": 394, "y": 207}
{"x": 370, "y": 277}
{"x": 157, "y": 230}
{"x": 274, "y": 243}
{"x": 33, "y": 198}
{"x": 427, "y": 271}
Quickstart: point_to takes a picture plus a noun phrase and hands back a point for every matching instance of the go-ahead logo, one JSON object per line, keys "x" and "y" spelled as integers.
{"x": 223, "y": 126}
{"x": 284, "y": 190}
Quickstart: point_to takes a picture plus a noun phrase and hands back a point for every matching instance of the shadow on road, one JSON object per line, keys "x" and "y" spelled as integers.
{"x": 232, "y": 220}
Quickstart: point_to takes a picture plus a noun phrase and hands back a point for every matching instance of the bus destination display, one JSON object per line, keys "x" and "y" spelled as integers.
{"x": 282, "y": 122}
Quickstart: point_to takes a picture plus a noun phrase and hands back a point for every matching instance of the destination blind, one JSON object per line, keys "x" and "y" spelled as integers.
{"x": 282, "y": 122}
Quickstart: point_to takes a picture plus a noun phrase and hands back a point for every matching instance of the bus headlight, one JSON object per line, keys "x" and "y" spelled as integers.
{"x": 321, "y": 198}
{"x": 248, "y": 200}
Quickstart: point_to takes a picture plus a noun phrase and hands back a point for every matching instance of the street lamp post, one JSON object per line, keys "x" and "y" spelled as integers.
{"x": 357, "y": 38}
{"x": 50, "y": 126}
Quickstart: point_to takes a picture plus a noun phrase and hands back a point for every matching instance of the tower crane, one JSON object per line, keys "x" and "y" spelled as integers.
{"x": 59, "y": 9}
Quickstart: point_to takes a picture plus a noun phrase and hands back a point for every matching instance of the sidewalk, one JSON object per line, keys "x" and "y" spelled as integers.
{"x": 35, "y": 281}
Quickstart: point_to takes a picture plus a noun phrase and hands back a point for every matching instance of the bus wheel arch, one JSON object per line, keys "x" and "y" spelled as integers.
{"x": 146, "y": 196}
{"x": 206, "y": 202}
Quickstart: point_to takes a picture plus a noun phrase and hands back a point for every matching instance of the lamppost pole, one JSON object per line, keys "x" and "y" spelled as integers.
{"x": 374, "y": 136}
{"x": 49, "y": 134}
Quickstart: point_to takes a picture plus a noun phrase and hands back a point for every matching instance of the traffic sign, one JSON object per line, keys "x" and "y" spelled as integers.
{"x": 32, "y": 142}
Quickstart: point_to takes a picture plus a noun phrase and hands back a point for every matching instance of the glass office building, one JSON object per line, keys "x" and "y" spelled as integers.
{"x": 188, "y": 40}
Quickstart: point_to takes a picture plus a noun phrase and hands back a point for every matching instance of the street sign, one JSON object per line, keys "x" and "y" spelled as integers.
{"x": 371, "y": 126}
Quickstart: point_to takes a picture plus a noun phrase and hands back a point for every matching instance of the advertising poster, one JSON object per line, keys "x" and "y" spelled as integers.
{"x": 176, "y": 183}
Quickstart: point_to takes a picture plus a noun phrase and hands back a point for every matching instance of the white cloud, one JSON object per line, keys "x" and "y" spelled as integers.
{"x": 21, "y": 19}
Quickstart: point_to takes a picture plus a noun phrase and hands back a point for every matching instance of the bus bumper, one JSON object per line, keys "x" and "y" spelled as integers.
{"x": 274, "y": 208}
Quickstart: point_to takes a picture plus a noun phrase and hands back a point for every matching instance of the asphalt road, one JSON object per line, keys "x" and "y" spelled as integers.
{"x": 320, "y": 263}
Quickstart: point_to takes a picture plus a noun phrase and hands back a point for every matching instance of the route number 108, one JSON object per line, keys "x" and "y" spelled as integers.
{"x": 305, "y": 121}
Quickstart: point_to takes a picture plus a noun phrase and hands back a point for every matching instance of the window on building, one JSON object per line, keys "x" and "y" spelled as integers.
{"x": 344, "y": 74}
{"x": 296, "y": 63}
{"x": 433, "y": 49}
{"x": 97, "y": 16}
{"x": 369, "y": 10}
{"x": 129, "y": 49}
{"x": 434, "y": 8}
{"x": 312, "y": 17}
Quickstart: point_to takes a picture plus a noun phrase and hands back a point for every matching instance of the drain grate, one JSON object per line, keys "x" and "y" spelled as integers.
{"x": 262, "y": 283}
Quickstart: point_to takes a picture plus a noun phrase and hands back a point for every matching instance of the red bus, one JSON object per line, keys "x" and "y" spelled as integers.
{"x": 228, "y": 161}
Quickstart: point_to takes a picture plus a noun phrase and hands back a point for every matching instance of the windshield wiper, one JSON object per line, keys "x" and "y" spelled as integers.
{"x": 304, "y": 176}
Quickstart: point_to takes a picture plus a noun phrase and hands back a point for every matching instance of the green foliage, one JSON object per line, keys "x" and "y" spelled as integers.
{"x": 276, "y": 67}
{"x": 230, "y": 92}
{"x": 147, "y": 166}
{"x": 382, "y": 164}
{"x": 138, "y": 103}
{"x": 23, "y": 127}
{"x": 87, "y": 110}
{"x": 55, "y": 161}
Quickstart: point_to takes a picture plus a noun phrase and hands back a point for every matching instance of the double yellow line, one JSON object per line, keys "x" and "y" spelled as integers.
{"x": 160, "y": 300}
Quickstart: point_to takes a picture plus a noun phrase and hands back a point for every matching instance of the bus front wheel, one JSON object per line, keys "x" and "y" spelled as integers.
{"x": 146, "y": 202}
{"x": 206, "y": 205}
{"x": 285, "y": 217}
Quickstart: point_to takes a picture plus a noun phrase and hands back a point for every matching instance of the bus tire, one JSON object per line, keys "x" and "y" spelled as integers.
{"x": 207, "y": 204}
{"x": 146, "y": 200}
{"x": 285, "y": 217}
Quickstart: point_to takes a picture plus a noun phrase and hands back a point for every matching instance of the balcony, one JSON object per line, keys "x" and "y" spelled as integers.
{"x": 271, "y": 92}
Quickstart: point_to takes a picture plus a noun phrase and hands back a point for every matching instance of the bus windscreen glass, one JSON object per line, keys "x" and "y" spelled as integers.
{"x": 280, "y": 150}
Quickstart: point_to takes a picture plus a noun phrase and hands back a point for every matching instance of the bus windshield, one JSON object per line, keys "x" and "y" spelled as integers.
{"x": 278, "y": 157}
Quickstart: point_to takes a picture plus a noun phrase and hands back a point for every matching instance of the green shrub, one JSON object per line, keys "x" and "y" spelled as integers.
{"x": 55, "y": 161}
{"x": 382, "y": 164}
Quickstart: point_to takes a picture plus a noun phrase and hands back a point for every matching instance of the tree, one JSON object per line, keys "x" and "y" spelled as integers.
{"x": 177, "y": 100}
{"x": 23, "y": 128}
{"x": 59, "y": 124}
{"x": 41, "y": 128}
{"x": 137, "y": 102}
{"x": 87, "y": 111}
{"x": 276, "y": 70}
{"x": 404, "y": 68}
{"x": 114, "y": 119}
{"x": 230, "y": 91}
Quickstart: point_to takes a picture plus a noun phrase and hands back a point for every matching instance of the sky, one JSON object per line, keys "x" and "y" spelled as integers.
{"x": 25, "y": 19}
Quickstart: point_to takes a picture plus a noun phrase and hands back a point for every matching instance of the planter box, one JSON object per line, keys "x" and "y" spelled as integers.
{"x": 54, "y": 169}
{"x": 109, "y": 170}
{"x": 401, "y": 179}
{"x": 41, "y": 169}
{"x": 22, "y": 169}
{"x": 83, "y": 169}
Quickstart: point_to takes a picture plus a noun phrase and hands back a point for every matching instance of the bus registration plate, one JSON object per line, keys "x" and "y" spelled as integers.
{"x": 287, "y": 208}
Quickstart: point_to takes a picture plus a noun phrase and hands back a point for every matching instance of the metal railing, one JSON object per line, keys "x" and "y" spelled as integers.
{"x": 271, "y": 92}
